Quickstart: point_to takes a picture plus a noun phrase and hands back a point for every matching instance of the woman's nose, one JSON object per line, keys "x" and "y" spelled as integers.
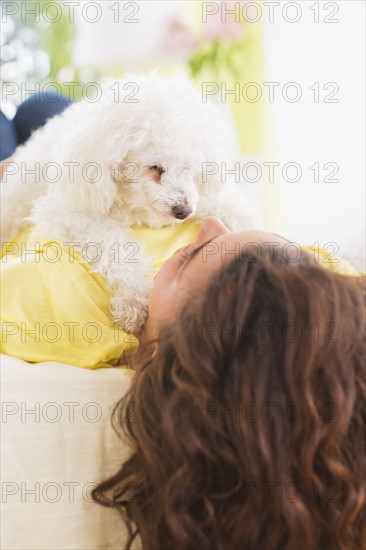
{"x": 211, "y": 227}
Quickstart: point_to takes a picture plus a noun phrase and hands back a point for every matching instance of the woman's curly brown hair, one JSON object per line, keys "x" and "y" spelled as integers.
{"x": 247, "y": 426}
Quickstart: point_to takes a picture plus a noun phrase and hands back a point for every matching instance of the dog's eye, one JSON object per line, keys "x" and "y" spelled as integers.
{"x": 156, "y": 168}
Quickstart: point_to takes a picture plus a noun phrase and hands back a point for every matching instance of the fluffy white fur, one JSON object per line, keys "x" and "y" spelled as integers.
{"x": 149, "y": 146}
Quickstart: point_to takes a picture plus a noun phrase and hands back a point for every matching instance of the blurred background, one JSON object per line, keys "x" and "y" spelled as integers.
{"x": 288, "y": 76}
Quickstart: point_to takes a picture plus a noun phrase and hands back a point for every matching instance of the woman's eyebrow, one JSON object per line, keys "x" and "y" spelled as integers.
{"x": 194, "y": 253}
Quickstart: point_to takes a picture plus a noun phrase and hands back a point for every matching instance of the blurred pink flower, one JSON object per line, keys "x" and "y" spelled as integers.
{"x": 222, "y": 25}
{"x": 207, "y": 46}
{"x": 179, "y": 38}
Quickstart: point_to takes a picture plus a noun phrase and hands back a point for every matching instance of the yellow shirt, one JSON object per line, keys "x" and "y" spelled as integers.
{"x": 54, "y": 308}
{"x": 329, "y": 260}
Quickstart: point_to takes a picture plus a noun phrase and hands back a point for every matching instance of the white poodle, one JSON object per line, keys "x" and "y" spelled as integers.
{"x": 143, "y": 156}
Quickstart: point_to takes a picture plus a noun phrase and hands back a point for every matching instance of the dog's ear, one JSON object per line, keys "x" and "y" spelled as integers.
{"x": 85, "y": 185}
{"x": 209, "y": 180}
{"x": 218, "y": 154}
{"x": 81, "y": 174}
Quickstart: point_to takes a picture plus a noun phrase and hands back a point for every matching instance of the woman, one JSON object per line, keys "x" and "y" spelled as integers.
{"x": 246, "y": 415}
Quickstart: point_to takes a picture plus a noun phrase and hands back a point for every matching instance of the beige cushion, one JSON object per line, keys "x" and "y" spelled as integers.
{"x": 52, "y": 458}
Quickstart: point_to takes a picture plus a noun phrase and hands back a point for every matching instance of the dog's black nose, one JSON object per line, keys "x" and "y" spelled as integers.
{"x": 181, "y": 212}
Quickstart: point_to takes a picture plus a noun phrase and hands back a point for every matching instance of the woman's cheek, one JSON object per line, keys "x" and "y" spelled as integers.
{"x": 161, "y": 291}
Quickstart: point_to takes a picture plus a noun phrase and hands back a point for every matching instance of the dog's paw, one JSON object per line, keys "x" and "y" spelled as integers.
{"x": 235, "y": 210}
{"x": 242, "y": 218}
{"x": 129, "y": 314}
